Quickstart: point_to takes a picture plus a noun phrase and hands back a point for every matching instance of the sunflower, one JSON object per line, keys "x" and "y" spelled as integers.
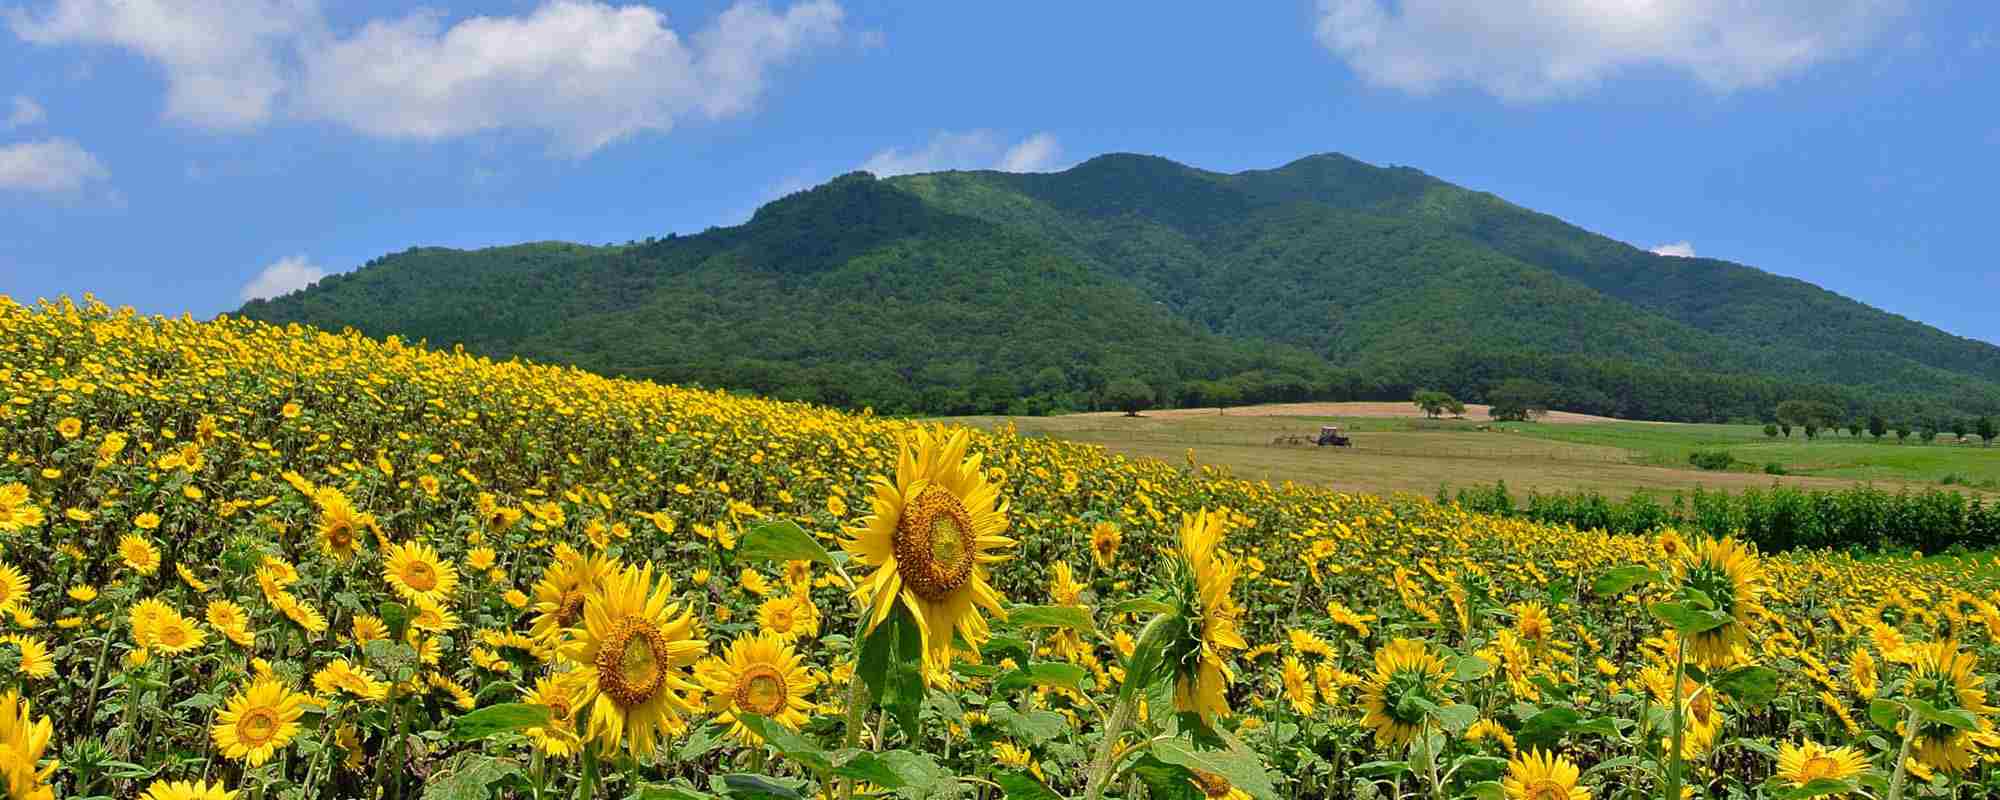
{"x": 1347, "y": 618}
{"x": 430, "y": 617}
{"x": 1532, "y": 623}
{"x": 1701, "y": 718}
{"x": 1216, "y": 787}
{"x": 229, "y": 618}
{"x": 187, "y": 790}
{"x": 341, "y": 677}
{"x": 145, "y": 616}
{"x": 1404, "y": 668}
{"x": 1861, "y": 671}
{"x": 1809, "y": 761}
{"x": 35, "y": 660}
{"x": 365, "y": 628}
{"x": 1538, "y": 775}
{"x": 634, "y": 645}
{"x": 757, "y": 675}
{"x": 13, "y": 588}
{"x": 1943, "y": 677}
{"x": 1731, "y": 575}
{"x": 1199, "y": 656}
{"x": 1489, "y": 729}
{"x": 23, "y": 739}
{"x": 559, "y": 595}
{"x": 1298, "y": 685}
{"x": 258, "y": 722}
{"x": 414, "y": 570}
{"x": 1063, "y": 588}
{"x": 788, "y": 618}
{"x": 339, "y": 525}
{"x": 1104, "y": 541}
{"x": 563, "y": 696}
{"x": 930, "y": 537}
{"x": 139, "y": 554}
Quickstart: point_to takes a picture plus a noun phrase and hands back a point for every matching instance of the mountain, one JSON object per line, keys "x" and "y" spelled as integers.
{"x": 958, "y": 292}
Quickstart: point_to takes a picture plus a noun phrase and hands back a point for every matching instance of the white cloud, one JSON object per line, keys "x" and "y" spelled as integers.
{"x": 25, "y": 112}
{"x": 225, "y": 60}
{"x": 48, "y": 165}
{"x": 584, "y": 72}
{"x": 282, "y": 277}
{"x": 1681, "y": 249}
{"x": 977, "y": 149}
{"x": 1535, "y": 49}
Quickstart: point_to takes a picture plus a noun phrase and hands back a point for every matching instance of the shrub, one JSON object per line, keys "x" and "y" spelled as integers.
{"x": 1775, "y": 468}
{"x": 1712, "y": 460}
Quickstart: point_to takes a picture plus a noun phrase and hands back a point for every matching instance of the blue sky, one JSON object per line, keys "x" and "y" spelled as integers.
{"x": 174, "y": 155}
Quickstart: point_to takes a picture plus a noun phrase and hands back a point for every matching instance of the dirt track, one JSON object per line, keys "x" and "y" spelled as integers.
{"x": 1383, "y": 410}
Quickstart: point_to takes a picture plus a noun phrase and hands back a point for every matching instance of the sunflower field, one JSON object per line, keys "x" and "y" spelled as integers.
{"x": 241, "y": 560}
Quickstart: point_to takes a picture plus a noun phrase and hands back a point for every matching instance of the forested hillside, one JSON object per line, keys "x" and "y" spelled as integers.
{"x": 1327, "y": 278}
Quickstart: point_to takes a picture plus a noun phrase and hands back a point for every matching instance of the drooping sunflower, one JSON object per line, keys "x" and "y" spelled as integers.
{"x": 1403, "y": 668}
{"x": 634, "y": 647}
{"x": 414, "y": 570}
{"x": 1538, "y": 775}
{"x": 187, "y": 790}
{"x": 1944, "y": 678}
{"x": 559, "y": 595}
{"x": 757, "y": 675}
{"x": 23, "y": 739}
{"x": 563, "y": 695}
{"x": 1729, "y": 573}
{"x": 139, "y": 554}
{"x": 1199, "y": 655}
{"x": 258, "y": 722}
{"x": 930, "y": 537}
{"x": 1809, "y": 761}
{"x": 1702, "y": 718}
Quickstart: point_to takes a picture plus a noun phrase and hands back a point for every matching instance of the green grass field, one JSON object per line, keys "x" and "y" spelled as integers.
{"x": 1411, "y": 454}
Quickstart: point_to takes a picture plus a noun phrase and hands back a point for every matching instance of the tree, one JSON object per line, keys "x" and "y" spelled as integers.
{"x": 1987, "y": 430}
{"x": 1929, "y": 432}
{"x": 1434, "y": 403}
{"x": 1770, "y": 430}
{"x": 1812, "y": 429}
{"x": 1129, "y": 395}
{"x": 1854, "y": 427}
{"x": 1785, "y": 428}
{"x": 1518, "y": 399}
{"x": 1811, "y": 415}
{"x": 1902, "y": 432}
{"x": 1877, "y": 426}
{"x": 1957, "y": 427}
{"x": 1455, "y": 406}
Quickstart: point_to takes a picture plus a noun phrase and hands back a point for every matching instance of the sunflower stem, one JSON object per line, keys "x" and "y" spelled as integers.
{"x": 1903, "y": 756}
{"x": 1100, "y": 771}
{"x": 1679, "y": 722}
{"x": 588, "y": 789}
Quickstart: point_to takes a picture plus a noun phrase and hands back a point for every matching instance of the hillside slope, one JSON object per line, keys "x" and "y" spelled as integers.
{"x": 1325, "y": 278}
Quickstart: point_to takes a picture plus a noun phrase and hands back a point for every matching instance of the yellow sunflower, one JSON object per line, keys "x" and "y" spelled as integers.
{"x": 634, "y": 646}
{"x": 1731, "y": 575}
{"x": 139, "y": 554}
{"x": 1216, "y": 787}
{"x": 414, "y": 570}
{"x": 23, "y": 740}
{"x": 563, "y": 695}
{"x": 1809, "y": 761}
{"x": 35, "y": 659}
{"x": 1538, "y": 775}
{"x": 1532, "y": 623}
{"x": 258, "y": 722}
{"x": 229, "y": 618}
{"x": 187, "y": 790}
{"x": 788, "y": 618}
{"x": 1403, "y": 668}
{"x": 341, "y": 677}
{"x": 1199, "y": 657}
{"x": 930, "y": 537}
{"x": 559, "y": 595}
{"x": 13, "y": 588}
{"x": 339, "y": 525}
{"x": 1104, "y": 541}
{"x": 1861, "y": 672}
{"x": 757, "y": 675}
{"x": 1298, "y": 685}
{"x": 365, "y": 628}
{"x": 1944, "y": 678}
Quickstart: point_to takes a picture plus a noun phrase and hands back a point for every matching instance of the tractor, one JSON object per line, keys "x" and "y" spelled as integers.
{"x": 1331, "y": 435}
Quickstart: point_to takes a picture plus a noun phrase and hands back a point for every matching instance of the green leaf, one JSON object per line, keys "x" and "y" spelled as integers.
{"x": 1952, "y": 717}
{"x": 1033, "y": 727}
{"x": 757, "y": 787}
{"x": 1018, "y": 785}
{"x": 1030, "y": 617}
{"x": 1480, "y": 768}
{"x": 394, "y": 616}
{"x": 1000, "y": 648}
{"x": 1140, "y": 605}
{"x": 1617, "y": 580}
{"x": 1471, "y": 668}
{"x": 1237, "y": 763}
{"x": 471, "y": 781}
{"x": 1752, "y": 686}
{"x": 1885, "y": 713}
{"x": 666, "y": 791}
{"x": 1147, "y": 664}
{"x": 1817, "y": 787}
{"x": 892, "y": 664}
{"x": 1486, "y": 790}
{"x": 1065, "y": 675}
{"x": 490, "y": 720}
{"x": 921, "y": 776}
{"x": 1689, "y": 620}
{"x": 869, "y": 767}
{"x": 780, "y": 540}
{"x": 787, "y": 743}
{"x": 1165, "y": 781}
{"x": 1546, "y": 728}
{"x": 1382, "y": 769}
{"x": 1457, "y": 717}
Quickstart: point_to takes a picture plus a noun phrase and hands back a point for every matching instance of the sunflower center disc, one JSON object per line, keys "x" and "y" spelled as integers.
{"x": 172, "y": 636}
{"x": 761, "y": 690}
{"x": 1545, "y": 789}
{"x": 257, "y": 727}
{"x": 934, "y": 544}
{"x": 570, "y": 609}
{"x": 1211, "y": 784}
{"x": 781, "y": 620}
{"x": 1818, "y": 767}
{"x": 628, "y": 666}
{"x": 340, "y": 535}
{"x": 420, "y": 576}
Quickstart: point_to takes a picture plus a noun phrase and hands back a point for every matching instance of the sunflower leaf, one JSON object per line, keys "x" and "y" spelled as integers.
{"x": 757, "y": 787}
{"x": 1885, "y": 713}
{"x": 1616, "y": 581}
{"x": 1546, "y": 728}
{"x": 1752, "y": 686}
{"x": 504, "y": 717}
{"x": 781, "y": 540}
{"x": 1059, "y": 674}
{"x": 471, "y": 781}
{"x": 787, "y": 743}
{"x": 1166, "y": 781}
{"x": 1018, "y": 785}
{"x": 1689, "y": 620}
{"x": 1953, "y": 717}
{"x": 1033, "y": 726}
{"x": 1072, "y": 617}
{"x": 1237, "y": 763}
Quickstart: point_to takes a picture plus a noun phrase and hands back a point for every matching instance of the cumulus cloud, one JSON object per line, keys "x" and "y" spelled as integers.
{"x": 48, "y": 165}
{"x": 1681, "y": 249}
{"x": 584, "y": 72}
{"x": 24, "y": 112}
{"x": 282, "y": 277}
{"x": 977, "y": 149}
{"x": 1526, "y": 50}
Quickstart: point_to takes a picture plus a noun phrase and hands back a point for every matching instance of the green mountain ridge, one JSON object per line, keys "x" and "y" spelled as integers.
{"x": 1327, "y": 278}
